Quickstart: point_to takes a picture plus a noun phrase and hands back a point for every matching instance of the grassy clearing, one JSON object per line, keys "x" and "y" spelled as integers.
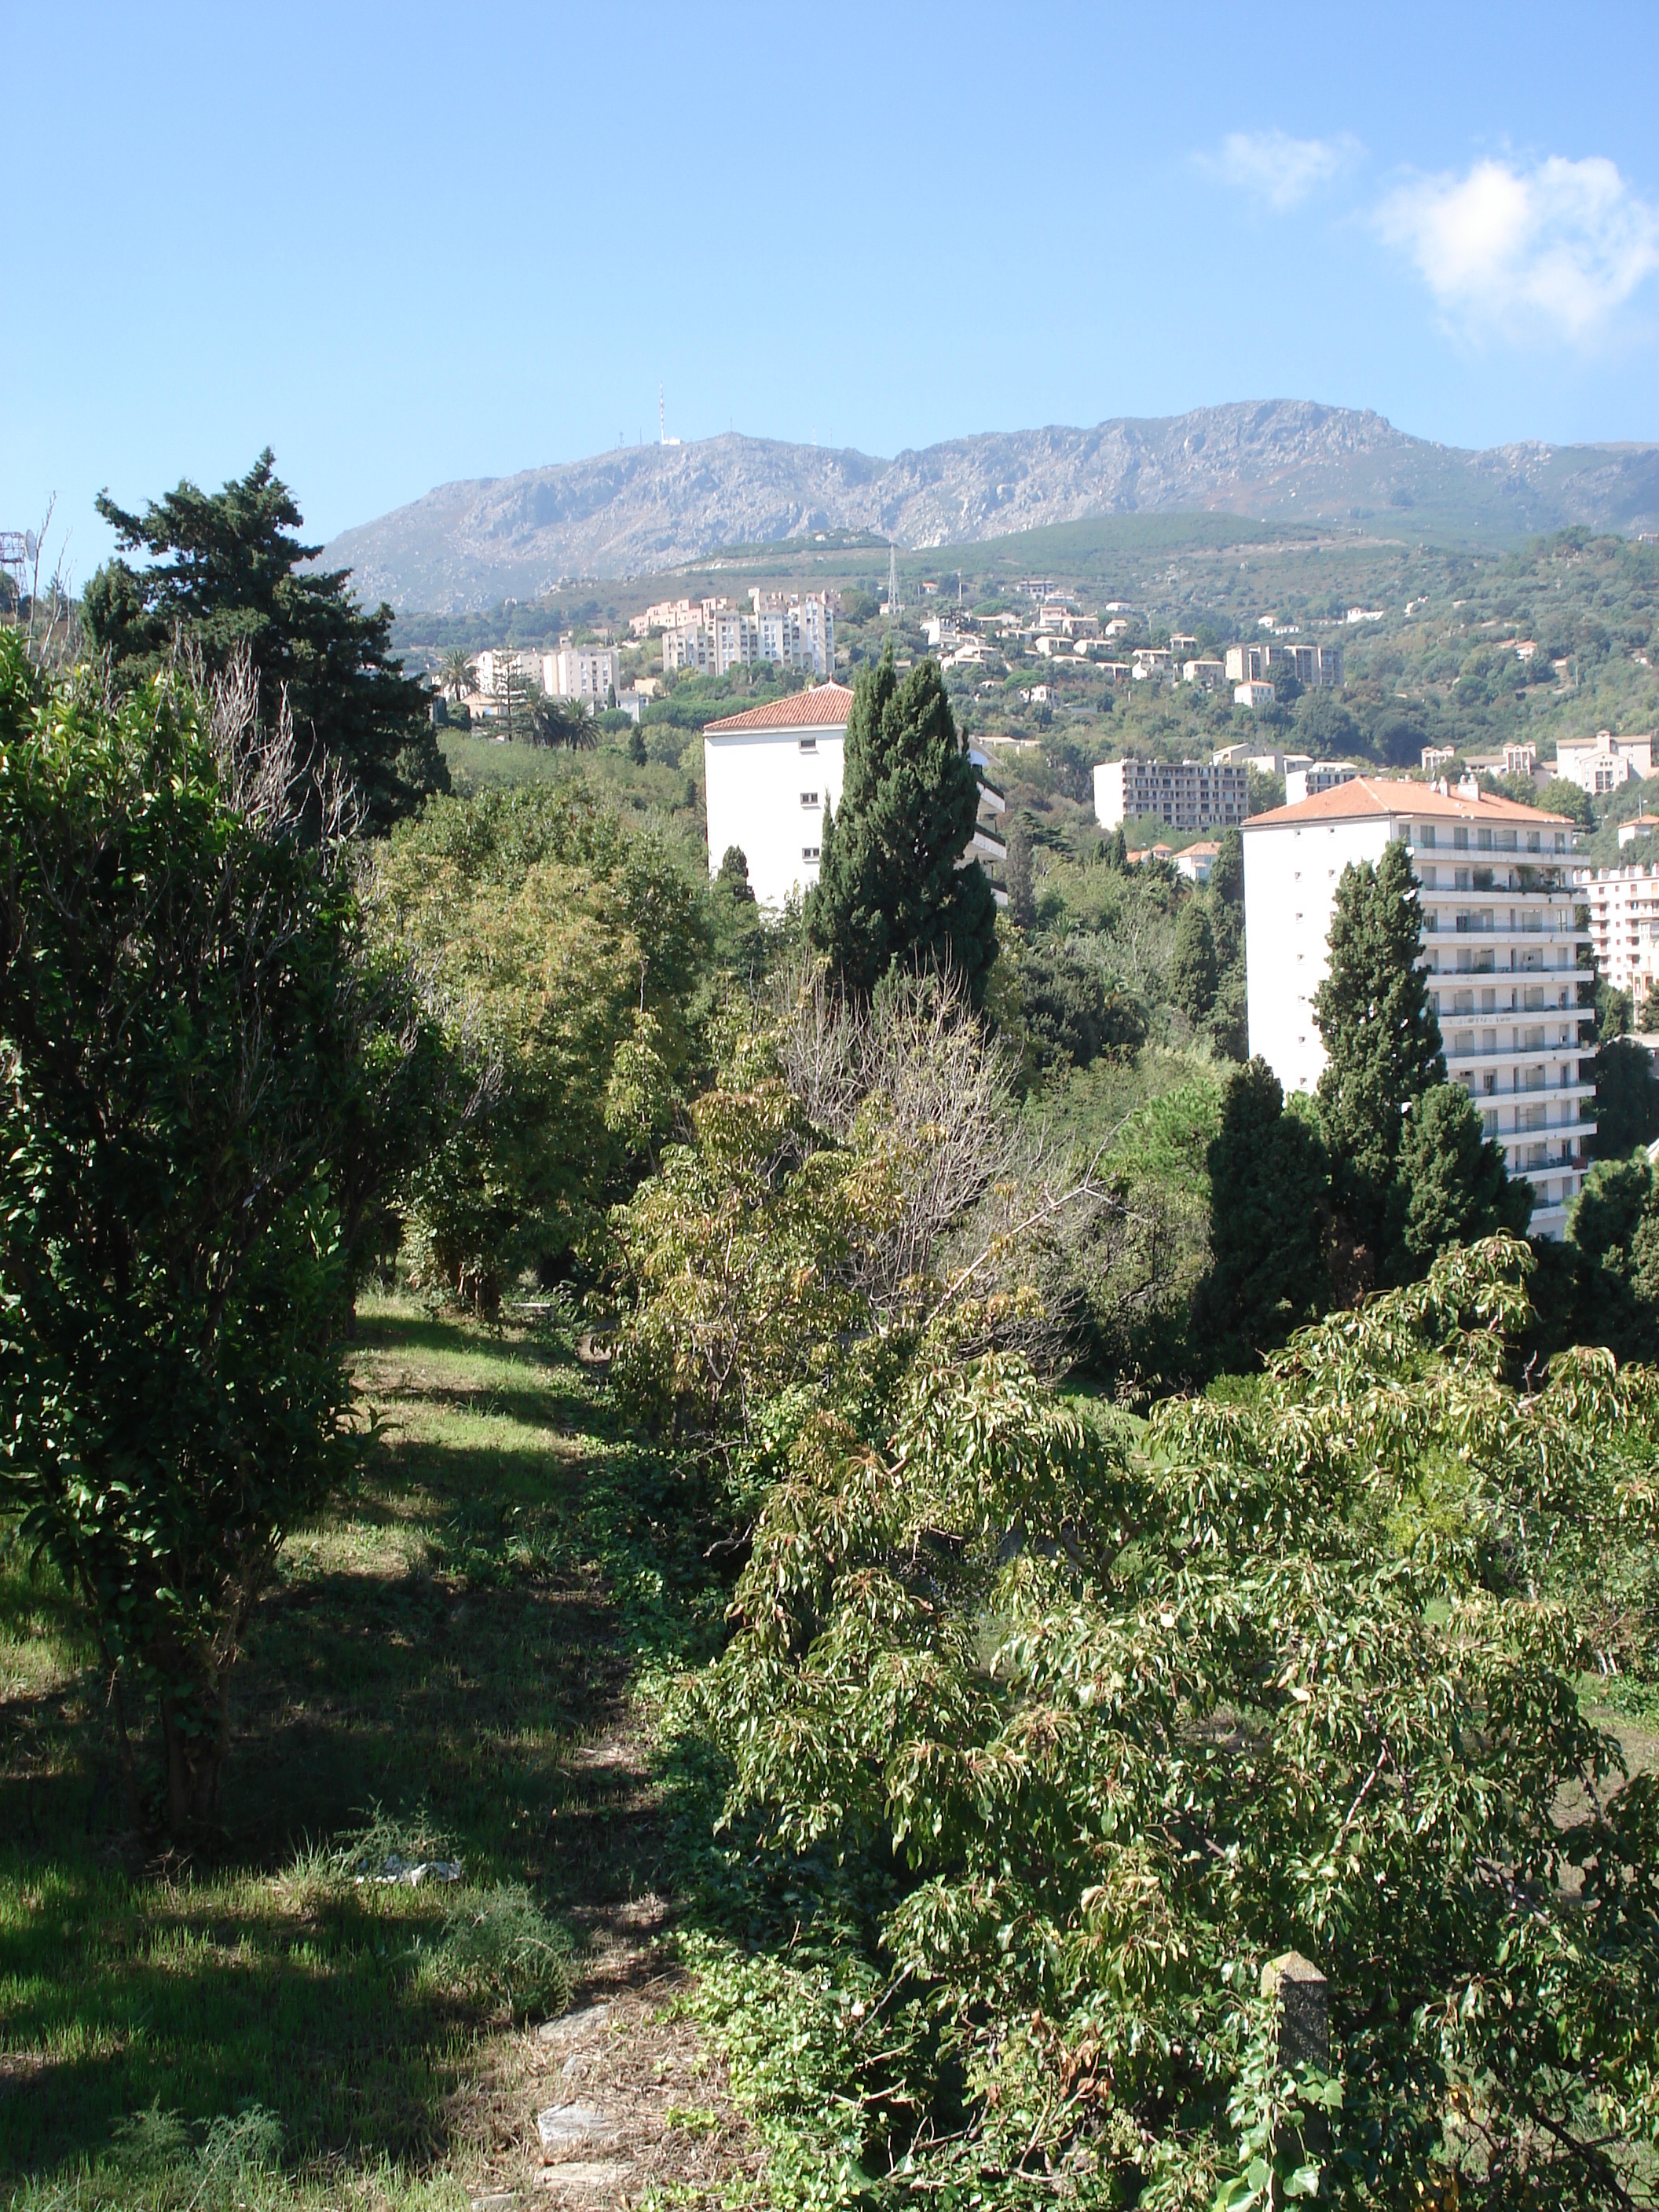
{"x": 440, "y": 1649}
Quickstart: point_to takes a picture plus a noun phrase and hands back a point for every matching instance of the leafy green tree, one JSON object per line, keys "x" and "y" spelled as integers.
{"x": 1193, "y": 970}
{"x": 1382, "y": 1041}
{"x": 229, "y": 576}
{"x": 1071, "y": 1018}
{"x": 183, "y": 1067}
{"x": 1046, "y": 1738}
{"x": 1450, "y": 1185}
{"x": 890, "y": 891}
{"x": 733, "y": 877}
{"x": 1626, "y": 1097}
{"x": 1615, "y": 1011}
{"x": 1269, "y": 1203}
{"x": 564, "y": 952}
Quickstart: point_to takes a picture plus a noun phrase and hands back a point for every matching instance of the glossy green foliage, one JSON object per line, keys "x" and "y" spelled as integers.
{"x": 1130, "y": 1716}
{"x": 181, "y": 1045}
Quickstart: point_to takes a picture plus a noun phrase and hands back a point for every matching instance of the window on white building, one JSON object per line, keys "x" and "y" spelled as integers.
{"x": 810, "y": 852}
{"x": 809, "y": 744}
{"x": 809, "y": 798}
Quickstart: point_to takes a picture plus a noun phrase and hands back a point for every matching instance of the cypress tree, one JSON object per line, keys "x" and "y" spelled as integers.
{"x": 1451, "y": 1186}
{"x": 890, "y": 892}
{"x": 1382, "y": 1041}
{"x": 1195, "y": 970}
{"x": 1022, "y": 888}
{"x": 1269, "y": 1191}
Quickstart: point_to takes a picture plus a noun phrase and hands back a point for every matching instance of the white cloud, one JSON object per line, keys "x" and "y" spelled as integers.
{"x": 1277, "y": 168}
{"x": 1507, "y": 251}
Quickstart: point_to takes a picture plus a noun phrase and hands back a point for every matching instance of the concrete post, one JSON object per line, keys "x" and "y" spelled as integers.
{"x": 1304, "y": 1995}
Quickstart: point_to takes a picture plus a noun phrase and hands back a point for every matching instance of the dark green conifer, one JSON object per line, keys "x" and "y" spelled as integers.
{"x": 1269, "y": 1194}
{"x": 890, "y": 890}
{"x": 1382, "y": 1041}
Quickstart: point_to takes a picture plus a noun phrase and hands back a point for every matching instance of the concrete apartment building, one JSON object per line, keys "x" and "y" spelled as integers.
{"x": 1624, "y": 924}
{"x": 1182, "y": 794}
{"x": 1501, "y": 936}
{"x": 1308, "y": 778}
{"x": 1315, "y": 667}
{"x": 581, "y": 672}
{"x": 771, "y": 771}
{"x": 796, "y": 632}
{"x": 1603, "y": 762}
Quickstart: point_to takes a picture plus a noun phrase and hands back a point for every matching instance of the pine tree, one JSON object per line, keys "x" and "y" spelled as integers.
{"x": 229, "y": 572}
{"x": 1382, "y": 1041}
{"x": 1194, "y": 971}
{"x": 890, "y": 891}
{"x": 1269, "y": 1191}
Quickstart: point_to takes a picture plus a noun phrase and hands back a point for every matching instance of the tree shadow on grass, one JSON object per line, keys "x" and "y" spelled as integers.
{"x": 205, "y": 1998}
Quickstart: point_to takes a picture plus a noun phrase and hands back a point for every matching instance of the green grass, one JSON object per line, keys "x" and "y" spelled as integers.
{"x": 435, "y": 1648}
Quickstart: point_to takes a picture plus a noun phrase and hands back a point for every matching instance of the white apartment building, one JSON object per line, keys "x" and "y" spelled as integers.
{"x": 798, "y": 633}
{"x": 1624, "y": 924}
{"x": 1602, "y": 763}
{"x": 1205, "y": 671}
{"x": 1308, "y": 778}
{"x": 1183, "y": 795}
{"x": 1501, "y": 934}
{"x": 771, "y": 771}
{"x": 581, "y": 672}
{"x": 1253, "y": 694}
{"x": 493, "y": 668}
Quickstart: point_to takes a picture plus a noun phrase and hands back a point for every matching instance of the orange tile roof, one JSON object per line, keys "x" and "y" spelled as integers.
{"x": 1373, "y": 794}
{"x": 824, "y": 707}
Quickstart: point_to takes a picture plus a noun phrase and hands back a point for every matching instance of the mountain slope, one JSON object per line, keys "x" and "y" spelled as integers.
{"x": 646, "y": 509}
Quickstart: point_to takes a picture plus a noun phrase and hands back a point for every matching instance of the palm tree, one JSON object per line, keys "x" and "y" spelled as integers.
{"x": 549, "y": 723}
{"x": 581, "y": 730}
{"x": 455, "y": 674}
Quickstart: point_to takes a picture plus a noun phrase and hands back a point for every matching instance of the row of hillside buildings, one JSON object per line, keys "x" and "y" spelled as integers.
{"x": 788, "y": 629}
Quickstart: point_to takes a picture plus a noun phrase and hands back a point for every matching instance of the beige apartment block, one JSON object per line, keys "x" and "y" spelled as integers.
{"x": 1183, "y": 795}
{"x": 1623, "y": 905}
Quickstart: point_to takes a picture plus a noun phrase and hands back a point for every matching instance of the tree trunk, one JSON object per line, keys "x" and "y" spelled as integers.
{"x": 195, "y": 1756}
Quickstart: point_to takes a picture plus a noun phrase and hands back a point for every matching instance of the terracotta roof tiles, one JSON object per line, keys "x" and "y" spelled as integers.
{"x": 1370, "y": 795}
{"x": 824, "y": 707}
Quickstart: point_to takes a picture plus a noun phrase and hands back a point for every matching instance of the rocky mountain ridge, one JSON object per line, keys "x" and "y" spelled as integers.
{"x": 645, "y": 508}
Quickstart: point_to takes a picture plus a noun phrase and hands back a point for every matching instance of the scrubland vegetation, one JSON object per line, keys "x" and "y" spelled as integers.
{"x": 887, "y": 1458}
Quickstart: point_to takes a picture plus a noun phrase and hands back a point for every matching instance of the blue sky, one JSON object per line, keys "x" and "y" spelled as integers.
{"x": 402, "y": 245}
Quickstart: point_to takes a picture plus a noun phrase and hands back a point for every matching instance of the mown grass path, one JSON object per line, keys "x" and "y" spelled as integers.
{"x": 458, "y": 1646}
